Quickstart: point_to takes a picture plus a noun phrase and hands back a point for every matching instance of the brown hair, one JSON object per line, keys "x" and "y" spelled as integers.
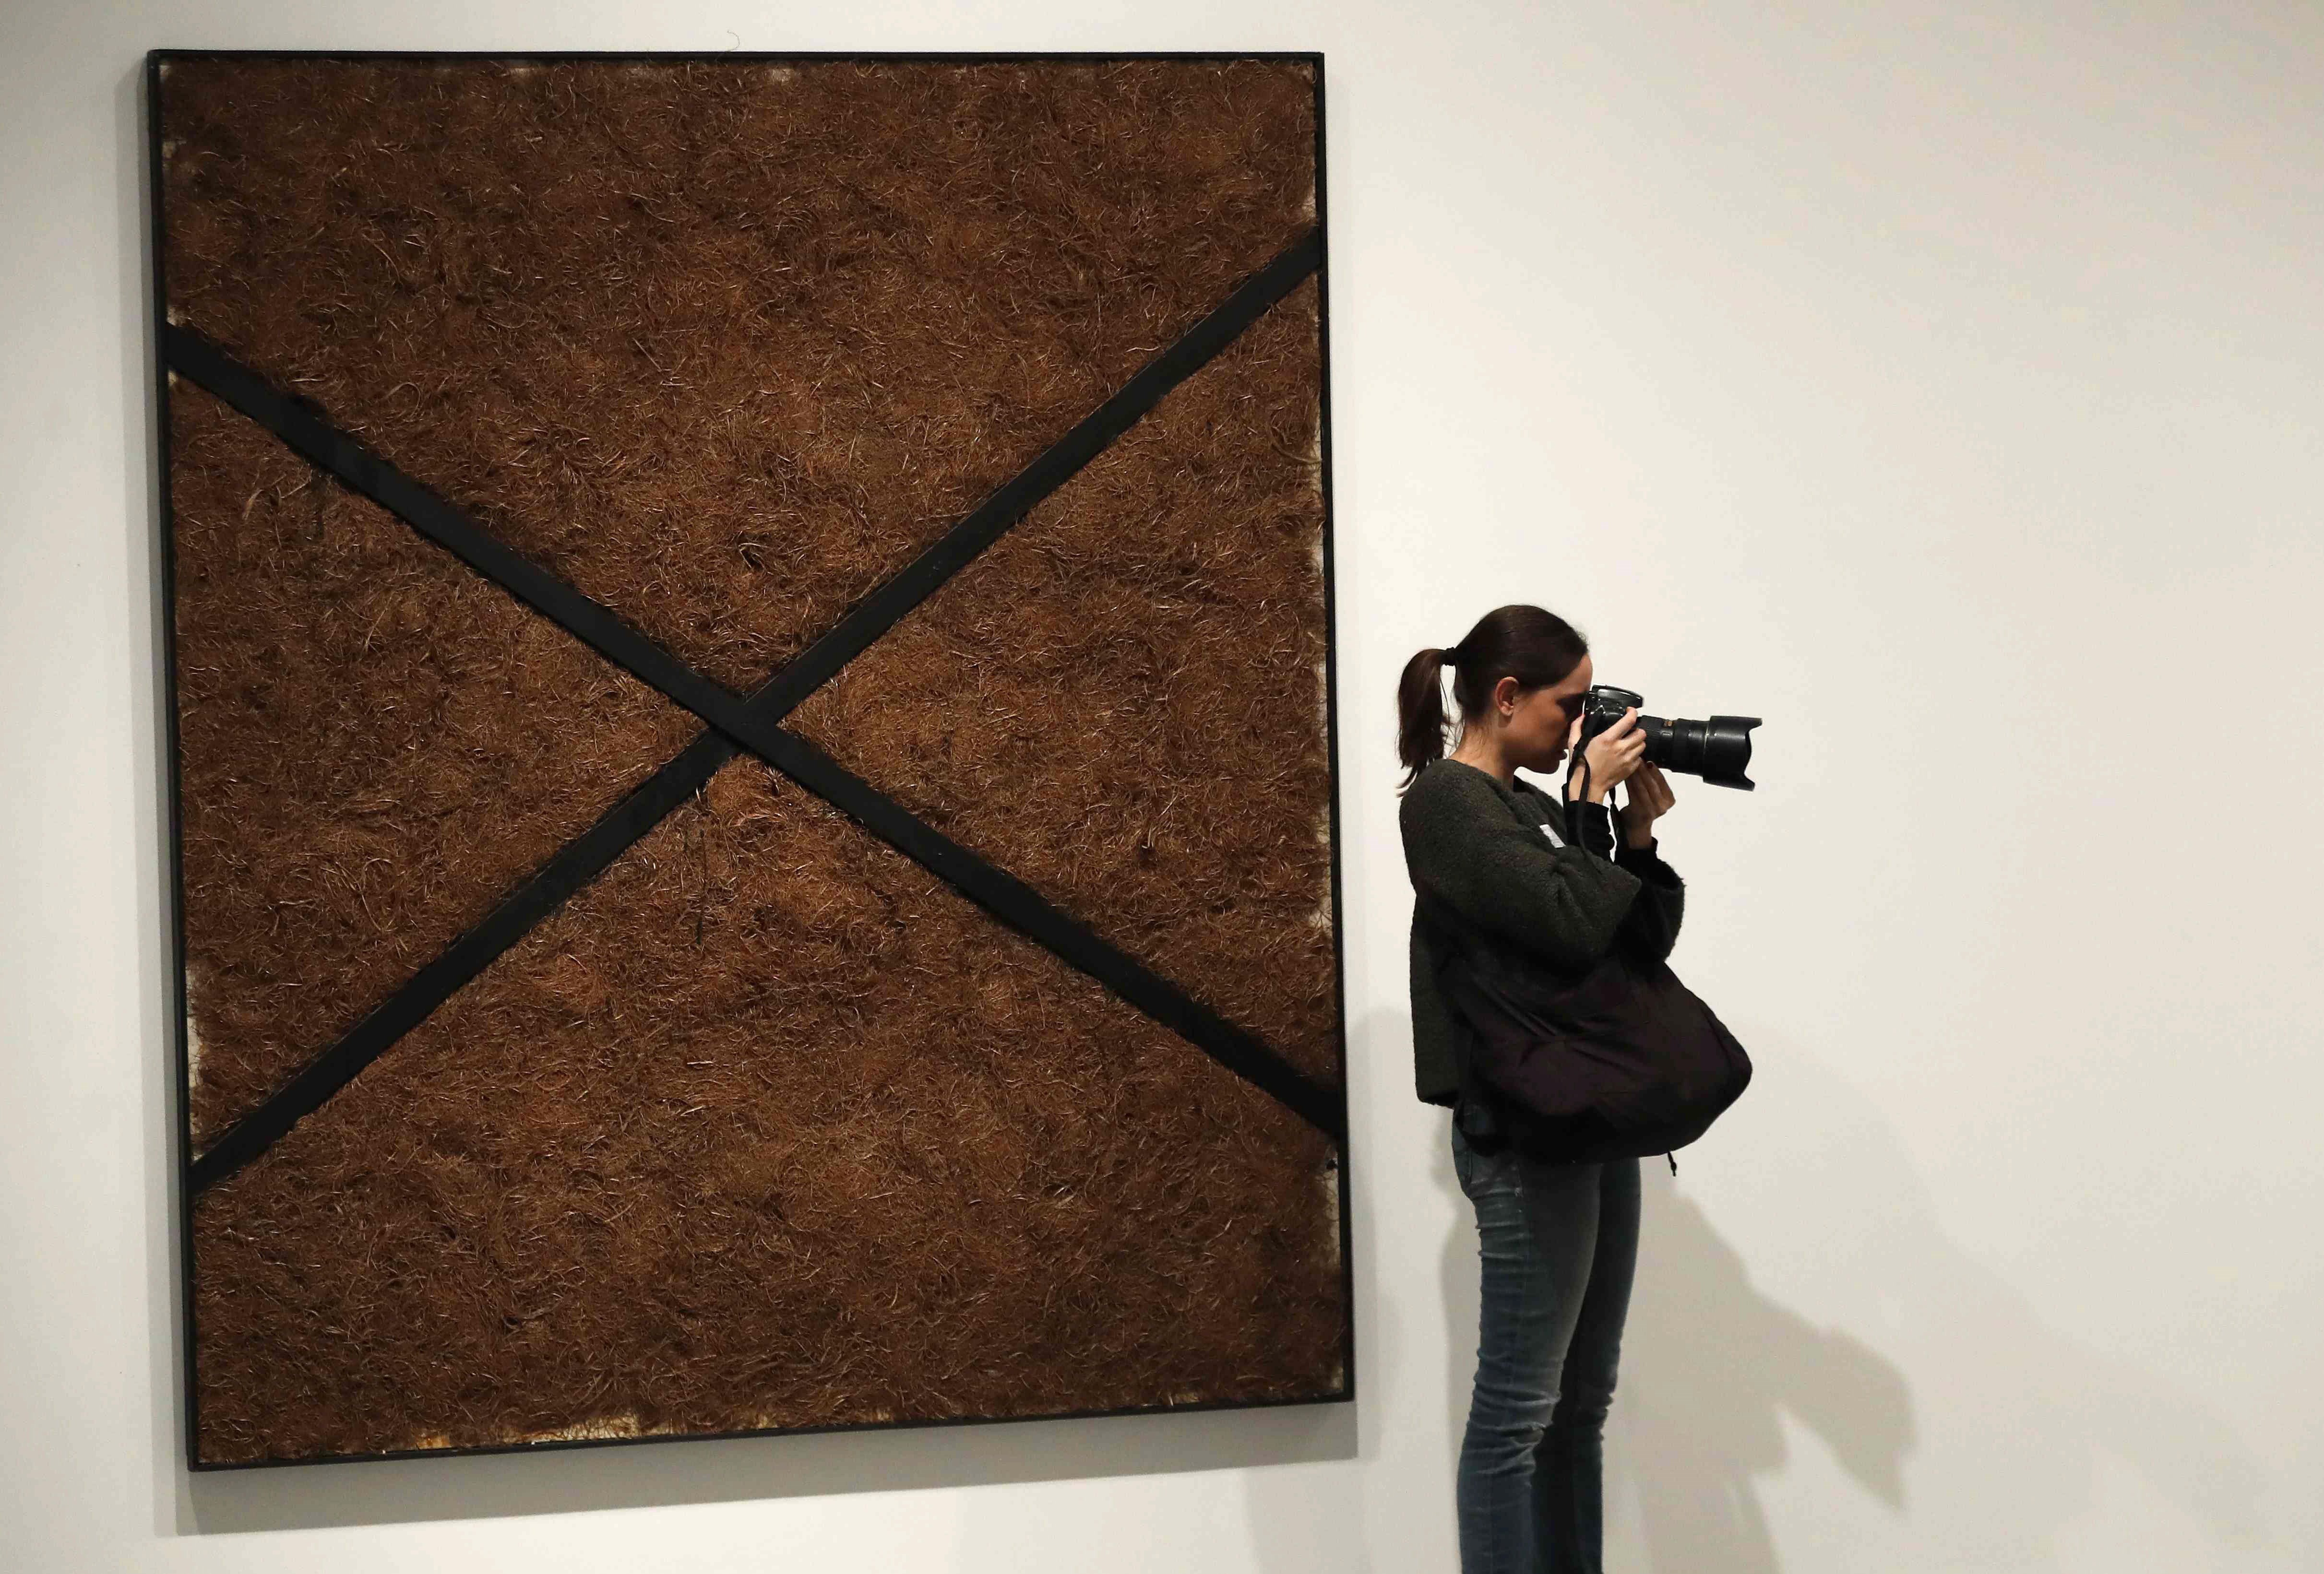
{"x": 1535, "y": 646}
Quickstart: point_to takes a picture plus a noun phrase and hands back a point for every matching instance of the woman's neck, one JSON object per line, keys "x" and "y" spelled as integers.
{"x": 1498, "y": 769}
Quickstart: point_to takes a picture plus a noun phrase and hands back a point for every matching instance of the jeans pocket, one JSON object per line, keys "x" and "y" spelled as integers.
{"x": 1483, "y": 1174}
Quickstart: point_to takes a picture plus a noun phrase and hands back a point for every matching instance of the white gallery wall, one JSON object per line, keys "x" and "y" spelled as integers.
{"x": 1943, "y": 383}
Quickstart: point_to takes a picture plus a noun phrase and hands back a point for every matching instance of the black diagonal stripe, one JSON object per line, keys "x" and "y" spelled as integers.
{"x": 577, "y": 863}
{"x": 751, "y": 723}
{"x": 1026, "y": 910}
{"x": 886, "y": 606}
{"x": 363, "y": 472}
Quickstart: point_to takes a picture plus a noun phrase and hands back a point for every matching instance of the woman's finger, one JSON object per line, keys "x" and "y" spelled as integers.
{"x": 1650, "y": 792}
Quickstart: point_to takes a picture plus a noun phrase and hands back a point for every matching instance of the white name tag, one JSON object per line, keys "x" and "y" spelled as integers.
{"x": 1555, "y": 838}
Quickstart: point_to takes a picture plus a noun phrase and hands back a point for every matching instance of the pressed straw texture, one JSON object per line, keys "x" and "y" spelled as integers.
{"x": 1122, "y": 700}
{"x": 375, "y": 744}
{"x": 766, "y": 1126}
{"x": 725, "y": 347}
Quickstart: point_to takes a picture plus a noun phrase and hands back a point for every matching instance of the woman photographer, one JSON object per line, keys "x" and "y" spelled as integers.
{"x": 1495, "y": 860}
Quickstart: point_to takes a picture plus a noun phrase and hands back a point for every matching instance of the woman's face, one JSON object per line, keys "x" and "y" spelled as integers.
{"x": 1541, "y": 726}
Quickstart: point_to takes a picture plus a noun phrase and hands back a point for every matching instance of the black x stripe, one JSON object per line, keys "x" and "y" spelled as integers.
{"x": 750, "y": 724}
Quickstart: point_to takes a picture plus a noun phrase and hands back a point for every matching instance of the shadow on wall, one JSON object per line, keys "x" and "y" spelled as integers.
{"x": 1707, "y": 1364}
{"x": 1710, "y": 1363}
{"x": 2010, "y": 1417}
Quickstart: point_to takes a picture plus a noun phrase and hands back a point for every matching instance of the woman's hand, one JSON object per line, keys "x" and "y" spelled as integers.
{"x": 1647, "y": 799}
{"x": 1613, "y": 755}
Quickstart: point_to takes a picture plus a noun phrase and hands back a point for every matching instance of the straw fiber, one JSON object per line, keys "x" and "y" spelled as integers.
{"x": 1122, "y": 700}
{"x": 375, "y": 744}
{"x": 767, "y": 1128}
{"x": 724, "y": 347}
{"x": 767, "y": 1125}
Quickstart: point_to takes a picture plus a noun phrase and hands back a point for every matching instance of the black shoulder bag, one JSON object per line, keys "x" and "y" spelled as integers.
{"x": 1620, "y": 1062}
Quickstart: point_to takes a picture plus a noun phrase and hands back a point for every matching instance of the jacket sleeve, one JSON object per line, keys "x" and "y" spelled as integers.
{"x": 1467, "y": 853}
{"x": 1650, "y": 928}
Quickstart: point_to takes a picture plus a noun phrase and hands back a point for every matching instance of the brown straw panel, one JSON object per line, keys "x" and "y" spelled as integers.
{"x": 375, "y": 745}
{"x": 767, "y": 1125}
{"x": 1123, "y": 699}
{"x": 766, "y": 1128}
{"x": 723, "y": 344}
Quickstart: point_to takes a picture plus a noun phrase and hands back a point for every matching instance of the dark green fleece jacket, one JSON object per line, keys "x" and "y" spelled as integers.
{"x": 1482, "y": 864}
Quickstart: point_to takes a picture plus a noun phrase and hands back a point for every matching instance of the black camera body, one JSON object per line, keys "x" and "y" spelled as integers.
{"x": 1718, "y": 750}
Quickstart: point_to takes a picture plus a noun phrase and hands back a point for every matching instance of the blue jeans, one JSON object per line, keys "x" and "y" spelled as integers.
{"x": 1558, "y": 1243}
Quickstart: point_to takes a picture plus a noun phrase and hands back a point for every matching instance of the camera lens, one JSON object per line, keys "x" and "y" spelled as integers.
{"x": 1718, "y": 750}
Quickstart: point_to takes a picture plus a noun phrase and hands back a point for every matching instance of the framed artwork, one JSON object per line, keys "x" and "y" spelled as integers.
{"x": 752, "y": 743}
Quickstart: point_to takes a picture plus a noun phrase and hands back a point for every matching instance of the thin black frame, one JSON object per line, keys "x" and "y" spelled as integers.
{"x": 182, "y": 1178}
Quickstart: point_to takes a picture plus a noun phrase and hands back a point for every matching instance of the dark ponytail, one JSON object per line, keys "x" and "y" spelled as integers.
{"x": 1535, "y": 647}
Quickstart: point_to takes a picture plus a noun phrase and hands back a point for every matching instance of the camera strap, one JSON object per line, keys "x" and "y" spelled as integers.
{"x": 1580, "y": 764}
